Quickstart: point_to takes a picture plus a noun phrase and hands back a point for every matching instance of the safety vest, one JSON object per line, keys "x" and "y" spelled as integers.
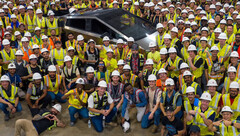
{"x": 235, "y": 105}
{"x": 140, "y": 61}
{"x": 117, "y": 95}
{"x": 184, "y": 89}
{"x": 185, "y": 54}
{"x": 161, "y": 85}
{"x": 96, "y": 102}
{"x": 52, "y": 42}
{"x": 188, "y": 107}
{"x": 117, "y": 54}
{"x": 136, "y": 98}
{"x": 175, "y": 72}
{"x": 107, "y": 74}
{"x": 228, "y": 130}
{"x": 135, "y": 12}
{"x": 235, "y": 29}
{"x": 41, "y": 24}
{"x": 160, "y": 40}
{"x": 31, "y": 23}
{"x": 161, "y": 64}
{"x": 6, "y": 21}
{"x": 210, "y": 65}
{"x": 35, "y": 95}
{"x": 231, "y": 39}
{"x": 92, "y": 56}
{"x": 79, "y": 50}
{"x": 103, "y": 52}
{"x": 26, "y": 54}
{"x": 4, "y": 95}
{"x": 199, "y": 71}
{"x": 94, "y": 80}
{"x": 132, "y": 79}
{"x": 75, "y": 61}
{"x": 198, "y": 120}
{"x": 181, "y": 80}
{"x": 41, "y": 63}
{"x": 72, "y": 76}
{"x": 145, "y": 76}
{"x": 49, "y": 84}
{"x": 174, "y": 41}
{"x": 53, "y": 25}
{"x": 49, "y": 47}
{"x": 36, "y": 40}
{"x": 203, "y": 54}
{"x": 156, "y": 91}
{"x": 175, "y": 98}
{"x": 69, "y": 43}
{"x": 59, "y": 57}
{"x": 73, "y": 100}
{"x": 6, "y": 57}
{"x": 227, "y": 83}
{"x": 20, "y": 18}
{"x": 223, "y": 52}
{"x": 214, "y": 102}
{"x": 127, "y": 52}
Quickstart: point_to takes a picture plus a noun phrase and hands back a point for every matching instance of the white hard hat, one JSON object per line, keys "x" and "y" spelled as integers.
{"x": 192, "y": 48}
{"x": 35, "y": 1}
{"x": 204, "y": 29}
{"x": 102, "y": 84}
{"x": 184, "y": 11}
{"x": 222, "y": 36}
{"x": 119, "y": 41}
{"x": 44, "y": 37}
{"x": 80, "y": 38}
{"x": 238, "y": 17}
{"x": 146, "y": 5}
{"x": 67, "y": 58}
{"x": 174, "y": 29}
{"x": 13, "y": 16}
{"x": 169, "y": 81}
{"x": 217, "y": 30}
{"x": 151, "y": 4}
{"x": 222, "y": 10}
{"x": 211, "y": 21}
{"x": 52, "y": 68}
{"x": 206, "y": 96}
{"x": 159, "y": 25}
{"x": 152, "y": 44}
{"x": 19, "y": 53}
{"x": 89, "y": 69}
{"x": 126, "y": 126}
{"x": 125, "y": 3}
{"x": 198, "y": 8}
{"x": 5, "y": 78}
{"x": 5, "y": 42}
{"x": 212, "y": 6}
{"x": 234, "y": 54}
{"x": 142, "y": 1}
{"x": 226, "y": 109}
{"x": 229, "y": 18}
{"x": 162, "y": 70}
{"x": 115, "y": 73}
{"x": 218, "y": 4}
{"x": 35, "y": 46}
{"x": 44, "y": 50}
{"x": 29, "y": 7}
{"x": 109, "y": 50}
{"x": 203, "y": 39}
{"x": 204, "y": 18}
{"x": 39, "y": 11}
{"x": 126, "y": 67}
{"x": 223, "y": 21}
{"x": 171, "y": 22}
{"x": 32, "y": 56}
{"x": 17, "y": 33}
{"x": 172, "y": 50}
{"x": 106, "y": 38}
{"x": 71, "y": 10}
{"x": 212, "y": 82}
{"x": 152, "y": 77}
{"x": 11, "y": 66}
{"x": 130, "y": 39}
{"x": 21, "y": 7}
{"x": 194, "y": 23}
{"x": 37, "y": 28}
{"x": 58, "y": 107}
{"x": 120, "y": 62}
{"x": 1, "y": 11}
{"x": 185, "y": 39}
{"x": 115, "y": 2}
{"x": 184, "y": 65}
{"x": 190, "y": 90}
{"x": 8, "y": 27}
{"x": 36, "y": 76}
{"x": 171, "y": 6}
{"x": 70, "y": 48}
{"x": 163, "y": 51}
{"x": 235, "y": 12}
{"x": 24, "y": 39}
{"x": 167, "y": 36}
{"x": 136, "y": 3}
{"x": 214, "y": 48}
{"x": 191, "y": 16}
{"x": 232, "y": 69}
{"x": 149, "y": 62}
{"x": 187, "y": 73}
{"x": 203, "y": 12}
{"x": 51, "y": 13}
{"x": 234, "y": 84}
{"x": 188, "y": 30}
{"x": 80, "y": 81}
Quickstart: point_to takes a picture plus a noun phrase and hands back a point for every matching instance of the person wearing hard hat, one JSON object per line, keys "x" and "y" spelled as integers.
{"x": 70, "y": 74}
{"x": 172, "y": 124}
{"x": 7, "y": 54}
{"x": 234, "y": 62}
{"x": 30, "y": 20}
{"x": 128, "y": 48}
{"x": 77, "y": 99}
{"x": 14, "y": 23}
{"x": 105, "y": 47}
{"x": 81, "y": 47}
{"x": 58, "y": 53}
{"x": 174, "y": 36}
{"x": 236, "y": 43}
{"x": 215, "y": 35}
{"x": 18, "y": 38}
{"x": 37, "y": 38}
{"x": 230, "y": 34}
{"x": 167, "y": 42}
{"x": 71, "y": 41}
{"x": 54, "y": 84}
{"x": 36, "y": 52}
{"x": 26, "y": 49}
{"x": 120, "y": 65}
{"x": 21, "y": 16}
{"x": 162, "y": 63}
{"x": 133, "y": 97}
{"x": 110, "y": 62}
{"x": 232, "y": 76}
{"x": 41, "y": 21}
{"x": 195, "y": 63}
{"x": 157, "y": 17}
{"x": 135, "y": 9}
{"x": 9, "y": 98}
{"x": 90, "y": 79}
{"x": 170, "y": 97}
{"x": 154, "y": 54}
{"x": 75, "y": 59}
{"x": 101, "y": 105}
{"x": 45, "y": 119}
{"x": 149, "y": 69}
{"x": 4, "y": 19}
{"x": 46, "y": 44}
{"x": 102, "y": 73}
{"x": 160, "y": 36}
{"x": 174, "y": 63}
{"x": 226, "y": 126}
{"x": 237, "y": 25}
{"x": 47, "y": 61}
{"x": 203, "y": 116}
{"x": 153, "y": 94}
{"x": 162, "y": 74}
{"x": 135, "y": 60}
{"x": 37, "y": 95}
{"x": 186, "y": 43}
{"x": 203, "y": 50}
{"x": 53, "y": 24}
{"x": 119, "y": 52}
{"x": 14, "y": 78}
{"x": 225, "y": 49}
{"x": 92, "y": 54}
{"x": 128, "y": 77}
{"x": 183, "y": 67}
{"x": 19, "y": 63}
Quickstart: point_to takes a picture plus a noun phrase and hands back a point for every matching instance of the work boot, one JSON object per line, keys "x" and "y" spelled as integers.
{"x": 111, "y": 124}
{"x": 154, "y": 129}
{"x": 6, "y": 117}
{"x": 72, "y": 124}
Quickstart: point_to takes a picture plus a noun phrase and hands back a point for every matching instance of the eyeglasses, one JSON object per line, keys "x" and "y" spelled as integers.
{"x": 101, "y": 64}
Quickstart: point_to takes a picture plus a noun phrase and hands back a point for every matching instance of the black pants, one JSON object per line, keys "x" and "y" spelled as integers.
{"x": 44, "y": 102}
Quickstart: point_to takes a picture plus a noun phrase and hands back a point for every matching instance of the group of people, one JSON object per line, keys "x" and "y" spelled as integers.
{"x": 188, "y": 82}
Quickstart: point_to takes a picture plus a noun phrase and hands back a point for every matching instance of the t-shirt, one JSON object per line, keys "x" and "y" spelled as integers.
{"x": 15, "y": 79}
{"x": 151, "y": 98}
{"x": 172, "y": 126}
{"x": 38, "y": 90}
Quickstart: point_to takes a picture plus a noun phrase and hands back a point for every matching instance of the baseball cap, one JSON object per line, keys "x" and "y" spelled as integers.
{"x": 135, "y": 46}
{"x": 169, "y": 108}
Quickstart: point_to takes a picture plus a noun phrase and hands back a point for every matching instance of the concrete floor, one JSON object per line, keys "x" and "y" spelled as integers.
{"x": 80, "y": 128}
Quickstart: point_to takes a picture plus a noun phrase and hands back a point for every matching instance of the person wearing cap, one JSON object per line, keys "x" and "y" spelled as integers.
{"x": 234, "y": 62}
{"x": 105, "y": 47}
{"x": 91, "y": 80}
{"x": 148, "y": 70}
{"x": 162, "y": 74}
{"x": 26, "y": 49}
{"x": 102, "y": 73}
{"x": 37, "y": 95}
{"x": 81, "y": 47}
{"x": 77, "y": 99}
{"x": 71, "y": 41}
{"x": 47, "y": 61}
{"x": 170, "y": 97}
{"x": 135, "y": 60}
{"x": 232, "y": 76}
{"x": 203, "y": 116}
{"x": 59, "y": 53}
{"x": 230, "y": 34}
{"x": 129, "y": 77}
{"x": 37, "y": 38}
{"x": 226, "y": 126}
{"x": 100, "y": 106}
{"x": 160, "y": 37}
{"x": 154, "y": 54}
{"x": 92, "y": 54}
{"x": 109, "y": 61}
{"x": 41, "y": 21}
{"x": 7, "y": 54}
{"x": 133, "y": 98}
{"x": 162, "y": 63}
{"x": 153, "y": 95}
{"x": 9, "y": 98}
{"x": 45, "y": 119}
{"x": 128, "y": 48}
{"x": 54, "y": 84}
{"x": 30, "y": 20}
{"x": 53, "y": 38}
{"x": 120, "y": 52}
{"x": 70, "y": 74}
{"x": 53, "y": 24}
{"x": 172, "y": 124}
{"x": 46, "y": 44}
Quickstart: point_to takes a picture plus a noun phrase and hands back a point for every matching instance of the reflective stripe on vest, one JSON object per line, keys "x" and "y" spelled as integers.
{"x": 34, "y": 91}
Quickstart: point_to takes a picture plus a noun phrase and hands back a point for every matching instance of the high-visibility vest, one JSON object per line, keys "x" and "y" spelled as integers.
{"x": 75, "y": 61}
{"x": 132, "y": 79}
{"x": 127, "y": 51}
{"x": 117, "y": 54}
{"x": 6, "y": 20}
{"x": 117, "y": 95}
{"x": 136, "y": 98}
{"x": 185, "y": 54}
{"x": 160, "y": 40}
{"x": 26, "y": 54}
{"x": 175, "y": 72}
{"x": 96, "y": 102}
{"x": 36, "y": 40}
{"x": 53, "y": 25}
{"x": 228, "y": 130}
{"x": 227, "y": 82}
{"x": 145, "y": 76}
{"x": 235, "y": 106}
{"x": 49, "y": 84}
{"x": 181, "y": 80}
{"x": 106, "y": 75}
{"x": 34, "y": 95}
{"x": 198, "y": 120}
{"x": 235, "y": 29}
{"x": 188, "y": 107}
{"x": 199, "y": 71}
{"x": 51, "y": 40}
{"x": 6, "y": 57}
{"x": 175, "y": 98}
{"x": 73, "y": 100}
{"x": 231, "y": 39}
{"x": 4, "y": 95}
{"x": 174, "y": 41}
{"x": 210, "y": 65}
{"x": 203, "y": 54}
{"x": 72, "y": 76}
{"x": 31, "y": 23}
{"x": 20, "y": 18}
{"x": 59, "y": 57}
{"x": 49, "y": 47}
{"x": 140, "y": 60}
{"x": 214, "y": 102}
{"x": 161, "y": 85}
{"x": 79, "y": 50}
{"x": 161, "y": 64}
{"x": 73, "y": 44}
{"x": 224, "y": 51}
{"x": 41, "y": 23}
{"x": 103, "y": 52}
{"x": 184, "y": 89}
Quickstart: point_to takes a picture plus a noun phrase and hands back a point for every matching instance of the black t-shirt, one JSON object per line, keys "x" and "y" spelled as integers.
{"x": 45, "y": 64}
{"x": 34, "y": 70}
{"x": 172, "y": 127}
{"x": 198, "y": 63}
{"x": 20, "y": 69}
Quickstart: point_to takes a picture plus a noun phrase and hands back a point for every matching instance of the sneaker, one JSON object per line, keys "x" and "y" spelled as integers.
{"x": 112, "y": 124}
{"x": 154, "y": 129}
{"x": 6, "y": 117}
{"x": 72, "y": 124}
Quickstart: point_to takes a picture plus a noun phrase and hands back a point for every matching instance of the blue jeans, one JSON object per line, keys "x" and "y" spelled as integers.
{"x": 156, "y": 117}
{"x": 82, "y": 112}
{"x": 97, "y": 121}
{"x": 3, "y": 107}
{"x": 57, "y": 96}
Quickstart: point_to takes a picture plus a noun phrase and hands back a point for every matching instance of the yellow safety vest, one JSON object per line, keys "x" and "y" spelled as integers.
{"x": 36, "y": 40}
{"x": 160, "y": 40}
{"x": 96, "y": 102}
{"x": 6, "y": 57}
{"x": 75, "y": 61}
{"x": 31, "y": 23}
{"x": 98, "y": 75}
{"x": 73, "y": 100}
{"x": 103, "y": 52}
{"x": 235, "y": 29}
{"x": 34, "y": 95}
{"x": 59, "y": 57}
{"x": 79, "y": 50}
{"x": 235, "y": 105}
{"x": 185, "y": 54}
{"x": 174, "y": 41}
{"x": 231, "y": 39}
{"x": 199, "y": 71}
{"x": 4, "y": 95}
{"x": 175, "y": 72}
{"x": 161, "y": 64}
{"x": 49, "y": 84}
{"x": 181, "y": 80}
{"x": 188, "y": 107}
{"x": 118, "y": 54}
{"x": 227, "y": 83}
{"x": 132, "y": 79}
{"x": 223, "y": 52}
{"x": 41, "y": 24}
{"x": 184, "y": 89}
{"x": 210, "y": 65}
{"x": 214, "y": 102}
{"x": 53, "y": 25}
{"x": 228, "y": 130}
{"x": 20, "y": 18}
{"x": 73, "y": 44}
{"x": 238, "y": 70}
{"x": 203, "y": 54}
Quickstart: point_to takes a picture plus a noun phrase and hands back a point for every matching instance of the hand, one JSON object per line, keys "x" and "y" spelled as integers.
{"x": 140, "y": 75}
{"x": 36, "y": 103}
{"x": 118, "y": 106}
{"x": 192, "y": 112}
{"x": 35, "y": 106}
{"x": 123, "y": 120}
{"x": 30, "y": 85}
{"x": 13, "y": 110}
{"x": 150, "y": 116}
{"x": 206, "y": 51}
{"x": 189, "y": 59}
{"x": 200, "y": 49}
{"x": 65, "y": 91}
{"x": 107, "y": 112}
{"x": 30, "y": 75}
{"x": 6, "y": 62}
{"x": 227, "y": 123}
{"x": 10, "y": 106}
{"x": 217, "y": 123}
{"x": 201, "y": 114}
